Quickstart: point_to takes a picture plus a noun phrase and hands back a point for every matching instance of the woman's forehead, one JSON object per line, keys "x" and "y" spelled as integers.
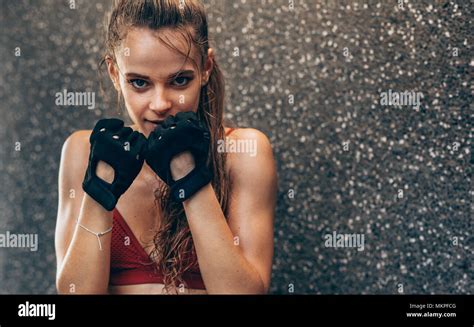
{"x": 142, "y": 52}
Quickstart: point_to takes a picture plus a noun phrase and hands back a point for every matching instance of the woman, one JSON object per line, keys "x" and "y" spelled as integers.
{"x": 158, "y": 207}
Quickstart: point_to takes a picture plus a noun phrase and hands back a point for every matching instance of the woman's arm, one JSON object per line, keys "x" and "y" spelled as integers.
{"x": 81, "y": 266}
{"x": 236, "y": 256}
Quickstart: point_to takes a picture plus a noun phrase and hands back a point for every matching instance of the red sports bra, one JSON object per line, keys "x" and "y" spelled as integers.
{"x": 130, "y": 264}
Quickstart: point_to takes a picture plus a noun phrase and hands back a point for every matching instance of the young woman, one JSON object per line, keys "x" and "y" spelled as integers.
{"x": 158, "y": 207}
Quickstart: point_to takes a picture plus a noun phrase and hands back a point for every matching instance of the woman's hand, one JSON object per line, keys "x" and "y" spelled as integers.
{"x": 181, "y": 165}
{"x": 105, "y": 172}
{"x": 116, "y": 157}
{"x": 177, "y": 152}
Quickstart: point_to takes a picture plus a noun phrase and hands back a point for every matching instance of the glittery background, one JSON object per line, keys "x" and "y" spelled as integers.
{"x": 310, "y": 75}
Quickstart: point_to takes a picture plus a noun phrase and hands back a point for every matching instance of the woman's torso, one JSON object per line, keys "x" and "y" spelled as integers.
{"x": 141, "y": 214}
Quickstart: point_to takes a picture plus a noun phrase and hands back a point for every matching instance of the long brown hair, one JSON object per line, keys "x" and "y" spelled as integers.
{"x": 174, "y": 252}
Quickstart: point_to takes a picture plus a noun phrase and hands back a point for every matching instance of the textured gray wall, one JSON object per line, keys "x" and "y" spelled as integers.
{"x": 334, "y": 59}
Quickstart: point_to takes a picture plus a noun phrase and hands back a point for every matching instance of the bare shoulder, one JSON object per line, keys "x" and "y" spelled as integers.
{"x": 247, "y": 133}
{"x": 251, "y": 134}
{"x": 248, "y": 150}
{"x": 77, "y": 140}
{"x": 74, "y": 159}
{"x": 76, "y": 147}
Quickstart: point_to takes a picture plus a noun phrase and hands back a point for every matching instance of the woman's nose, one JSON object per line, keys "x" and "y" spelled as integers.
{"x": 160, "y": 101}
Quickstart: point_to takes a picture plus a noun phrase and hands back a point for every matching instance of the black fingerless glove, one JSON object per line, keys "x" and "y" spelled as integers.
{"x": 120, "y": 147}
{"x": 175, "y": 135}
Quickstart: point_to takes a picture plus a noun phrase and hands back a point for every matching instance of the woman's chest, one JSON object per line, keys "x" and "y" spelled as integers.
{"x": 140, "y": 205}
{"x": 140, "y": 211}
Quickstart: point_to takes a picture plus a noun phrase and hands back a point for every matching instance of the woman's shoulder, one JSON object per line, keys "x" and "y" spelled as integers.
{"x": 77, "y": 142}
{"x": 245, "y": 133}
{"x": 78, "y": 138}
{"x": 75, "y": 150}
{"x": 248, "y": 134}
{"x": 246, "y": 148}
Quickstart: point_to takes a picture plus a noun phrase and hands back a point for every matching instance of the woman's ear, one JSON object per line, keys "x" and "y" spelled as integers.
{"x": 113, "y": 72}
{"x": 208, "y": 66}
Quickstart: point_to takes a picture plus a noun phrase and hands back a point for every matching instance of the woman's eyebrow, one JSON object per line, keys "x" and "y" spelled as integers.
{"x": 171, "y": 76}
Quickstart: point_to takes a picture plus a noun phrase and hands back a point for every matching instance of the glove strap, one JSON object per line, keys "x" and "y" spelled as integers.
{"x": 98, "y": 189}
{"x": 187, "y": 186}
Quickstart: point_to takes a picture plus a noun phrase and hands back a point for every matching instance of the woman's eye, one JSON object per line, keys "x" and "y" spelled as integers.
{"x": 138, "y": 83}
{"x": 181, "y": 81}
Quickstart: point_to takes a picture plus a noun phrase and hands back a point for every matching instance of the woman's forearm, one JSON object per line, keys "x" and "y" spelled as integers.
{"x": 86, "y": 268}
{"x": 223, "y": 266}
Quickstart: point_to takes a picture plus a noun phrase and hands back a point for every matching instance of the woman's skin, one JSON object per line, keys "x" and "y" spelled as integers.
{"x": 235, "y": 256}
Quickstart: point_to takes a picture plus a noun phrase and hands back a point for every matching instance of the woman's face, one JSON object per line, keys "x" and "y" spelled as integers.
{"x": 146, "y": 73}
